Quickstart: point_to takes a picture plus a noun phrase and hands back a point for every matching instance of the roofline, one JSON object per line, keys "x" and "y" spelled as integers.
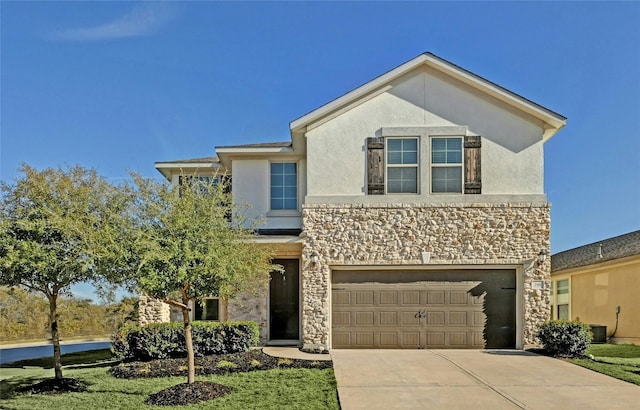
{"x": 165, "y": 167}
{"x": 606, "y": 241}
{"x": 589, "y": 267}
{"x": 547, "y": 116}
{"x": 253, "y": 150}
{"x": 277, "y": 144}
{"x": 625, "y": 245}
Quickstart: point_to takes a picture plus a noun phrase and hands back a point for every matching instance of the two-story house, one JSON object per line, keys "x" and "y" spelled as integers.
{"x": 408, "y": 213}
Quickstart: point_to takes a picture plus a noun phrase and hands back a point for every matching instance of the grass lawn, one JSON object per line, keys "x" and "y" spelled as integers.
{"x": 267, "y": 389}
{"x": 619, "y": 361}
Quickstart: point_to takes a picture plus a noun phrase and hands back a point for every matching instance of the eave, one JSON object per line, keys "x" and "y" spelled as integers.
{"x": 552, "y": 121}
{"x": 167, "y": 168}
{"x": 269, "y": 149}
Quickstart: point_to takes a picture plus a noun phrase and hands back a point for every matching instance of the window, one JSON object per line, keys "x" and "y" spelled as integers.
{"x": 402, "y": 165}
{"x": 203, "y": 184}
{"x": 284, "y": 186}
{"x": 199, "y": 183}
{"x": 562, "y": 299}
{"x": 446, "y": 165}
{"x": 553, "y": 300}
{"x": 208, "y": 310}
{"x": 563, "y": 312}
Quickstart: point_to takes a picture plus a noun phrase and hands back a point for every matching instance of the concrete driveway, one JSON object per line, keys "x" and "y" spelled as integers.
{"x": 483, "y": 379}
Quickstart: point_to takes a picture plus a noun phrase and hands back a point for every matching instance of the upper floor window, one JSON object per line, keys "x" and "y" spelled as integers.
{"x": 393, "y": 163}
{"x": 402, "y": 165}
{"x": 203, "y": 183}
{"x": 284, "y": 186}
{"x": 446, "y": 165}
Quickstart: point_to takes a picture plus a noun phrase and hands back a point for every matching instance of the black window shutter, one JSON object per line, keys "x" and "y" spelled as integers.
{"x": 375, "y": 166}
{"x": 472, "y": 165}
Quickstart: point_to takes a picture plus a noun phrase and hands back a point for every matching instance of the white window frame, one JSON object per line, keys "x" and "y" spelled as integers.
{"x": 192, "y": 307}
{"x": 433, "y": 165}
{"x": 288, "y": 210}
{"x": 387, "y": 165}
{"x": 566, "y": 302}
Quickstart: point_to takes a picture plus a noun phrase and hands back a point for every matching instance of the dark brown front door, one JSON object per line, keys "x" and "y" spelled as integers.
{"x": 284, "y": 304}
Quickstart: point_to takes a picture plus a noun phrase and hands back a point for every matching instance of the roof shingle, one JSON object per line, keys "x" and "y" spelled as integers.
{"x": 597, "y": 252}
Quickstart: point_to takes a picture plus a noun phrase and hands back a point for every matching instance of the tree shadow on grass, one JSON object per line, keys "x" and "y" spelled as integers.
{"x": 10, "y": 388}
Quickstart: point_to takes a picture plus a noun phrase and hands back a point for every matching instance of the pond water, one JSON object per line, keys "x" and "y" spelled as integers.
{"x": 33, "y": 352}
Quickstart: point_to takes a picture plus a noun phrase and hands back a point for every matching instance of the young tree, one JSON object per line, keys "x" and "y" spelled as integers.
{"x": 56, "y": 230}
{"x": 187, "y": 248}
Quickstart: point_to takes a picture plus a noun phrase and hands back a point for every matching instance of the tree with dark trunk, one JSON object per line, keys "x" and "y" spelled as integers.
{"x": 186, "y": 246}
{"x": 58, "y": 228}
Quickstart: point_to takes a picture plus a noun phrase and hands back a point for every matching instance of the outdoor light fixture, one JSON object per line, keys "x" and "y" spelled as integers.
{"x": 314, "y": 258}
{"x": 542, "y": 256}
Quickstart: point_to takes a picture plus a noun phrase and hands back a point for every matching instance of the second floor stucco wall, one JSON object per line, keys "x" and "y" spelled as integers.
{"x": 426, "y": 103}
{"x": 251, "y": 186}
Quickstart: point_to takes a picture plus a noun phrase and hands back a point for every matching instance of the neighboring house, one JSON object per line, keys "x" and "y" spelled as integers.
{"x": 599, "y": 284}
{"x": 408, "y": 213}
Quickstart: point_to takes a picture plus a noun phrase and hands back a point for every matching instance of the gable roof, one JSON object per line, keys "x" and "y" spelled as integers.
{"x": 609, "y": 249}
{"x": 553, "y": 121}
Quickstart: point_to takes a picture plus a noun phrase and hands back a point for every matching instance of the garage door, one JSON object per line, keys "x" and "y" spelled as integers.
{"x": 423, "y": 309}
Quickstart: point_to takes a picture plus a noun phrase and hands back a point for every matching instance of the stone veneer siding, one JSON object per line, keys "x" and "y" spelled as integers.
{"x": 245, "y": 306}
{"x": 250, "y": 306}
{"x": 511, "y": 234}
{"x": 152, "y": 310}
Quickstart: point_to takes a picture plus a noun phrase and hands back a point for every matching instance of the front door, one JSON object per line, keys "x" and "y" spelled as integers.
{"x": 284, "y": 307}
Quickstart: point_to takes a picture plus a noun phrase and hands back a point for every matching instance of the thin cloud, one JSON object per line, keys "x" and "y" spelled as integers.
{"x": 143, "y": 20}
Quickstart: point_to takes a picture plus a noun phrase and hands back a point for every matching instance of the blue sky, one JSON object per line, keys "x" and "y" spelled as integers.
{"x": 119, "y": 85}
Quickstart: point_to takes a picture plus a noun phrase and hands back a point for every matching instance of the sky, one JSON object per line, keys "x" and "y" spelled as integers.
{"x": 117, "y": 86}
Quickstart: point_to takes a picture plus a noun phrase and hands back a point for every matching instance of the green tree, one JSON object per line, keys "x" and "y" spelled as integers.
{"x": 122, "y": 313}
{"x": 186, "y": 248}
{"x": 57, "y": 228}
{"x": 23, "y": 314}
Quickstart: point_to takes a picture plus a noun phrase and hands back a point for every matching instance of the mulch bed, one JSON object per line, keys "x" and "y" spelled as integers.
{"x": 54, "y": 386}
{"x": 186, "y": 393}
{"x": 199, "y": 391}
{"x": 252, "y": 360}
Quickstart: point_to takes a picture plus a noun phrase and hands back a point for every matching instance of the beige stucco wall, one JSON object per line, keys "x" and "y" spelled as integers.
{"x": 597, "y": 290}
{"x": 251, "y": 185}
{"x": 512, "y": 153}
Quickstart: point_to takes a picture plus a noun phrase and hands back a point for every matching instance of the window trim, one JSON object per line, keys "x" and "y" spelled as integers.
{"x": 432, "y": 165}
{"x": 387, "y": 165}
{"x": 555, "y": 303}
{"x": 192, "y": 309}
{"x": 285, "y": 212}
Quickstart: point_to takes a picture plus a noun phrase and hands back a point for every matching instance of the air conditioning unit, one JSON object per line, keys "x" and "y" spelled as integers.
{"x": 599, "y": 333}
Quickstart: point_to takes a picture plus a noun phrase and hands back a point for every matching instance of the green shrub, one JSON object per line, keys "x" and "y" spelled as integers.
{"x": 565, "y": 338}
{"x": 166, "y": 340}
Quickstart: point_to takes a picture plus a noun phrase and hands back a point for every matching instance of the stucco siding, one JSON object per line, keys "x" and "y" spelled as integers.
{"x": 251, "y": 185}
{"x": 512, "y": 154}
{"x": 595, "y": 294}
